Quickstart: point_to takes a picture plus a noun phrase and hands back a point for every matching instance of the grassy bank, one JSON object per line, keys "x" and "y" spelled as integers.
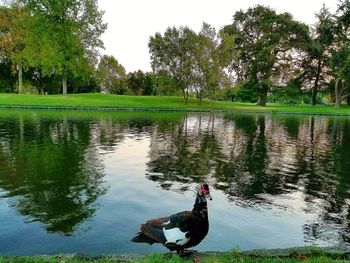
{"x": 312, "y": 255}
{"x": 155, "y": 102}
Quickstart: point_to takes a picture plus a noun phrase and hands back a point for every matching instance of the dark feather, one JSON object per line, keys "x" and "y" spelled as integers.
{"x": 142, "y": 238}
{"x": 182, "y": 220}
{"x": 193, "y": 224}
{"x": 154, "y": 229}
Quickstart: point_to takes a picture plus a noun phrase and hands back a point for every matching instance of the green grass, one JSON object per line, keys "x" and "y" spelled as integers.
{"x": 155, "y": 102}
{"x": 311, "y": 255}
{"x": 157, "y": 116}
{"x": 176, "y": 259}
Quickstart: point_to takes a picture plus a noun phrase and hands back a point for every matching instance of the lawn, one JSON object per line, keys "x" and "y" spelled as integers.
{"x": 156, "y": 102}
{"x": 313, "y": 255}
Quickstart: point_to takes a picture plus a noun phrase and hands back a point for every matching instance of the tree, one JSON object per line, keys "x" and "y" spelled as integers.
{"x": 173, "y": 53}
{"x": 165, "y": 85}
{"x": 111, "y": 75}
{"x": 136, "y": 82}
{"x": 208, "y": 63}
{"x": 13, "y": 27}
{"x": 63, "y": 37}
{"x": 149, "y": 84}
{"x": 7, "y": 78}
{"x": 318, "y": 52}
{"x": 264, "y": 43}
{"x": 340, "y": 60}
{"x": 341, "y": 67}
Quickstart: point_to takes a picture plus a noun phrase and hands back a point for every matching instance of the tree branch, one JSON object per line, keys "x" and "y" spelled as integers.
{"x": 345, "y": 96}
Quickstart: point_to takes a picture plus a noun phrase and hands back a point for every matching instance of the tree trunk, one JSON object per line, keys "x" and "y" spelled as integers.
{"x": 186, "y": 96}
{"x": 338, "y": 90}
{"x": 42, "y": 90}
{"x": 20, "y": 79}
{"x": 263, "y": 96}
{"x": 64, "y": 84}
{"x": 348, "y": 100}
{"x": 315, "y": 87}
{"x": 314, "y": 95}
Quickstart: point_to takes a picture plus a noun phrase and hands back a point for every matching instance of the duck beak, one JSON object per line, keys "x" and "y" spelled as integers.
{"x": 209, "y": 196}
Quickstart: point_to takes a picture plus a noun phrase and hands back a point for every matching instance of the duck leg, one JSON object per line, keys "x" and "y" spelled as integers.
{"x": 185, "y": 253}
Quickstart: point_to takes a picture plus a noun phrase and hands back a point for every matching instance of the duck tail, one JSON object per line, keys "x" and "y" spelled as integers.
{"x": 142, "y": 238}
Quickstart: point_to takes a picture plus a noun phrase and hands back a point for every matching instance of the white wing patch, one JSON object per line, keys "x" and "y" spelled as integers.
{"x": 175, "y": 235}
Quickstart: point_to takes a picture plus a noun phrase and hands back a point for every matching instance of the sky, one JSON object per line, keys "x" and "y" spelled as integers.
{"x": 132, "y": 22}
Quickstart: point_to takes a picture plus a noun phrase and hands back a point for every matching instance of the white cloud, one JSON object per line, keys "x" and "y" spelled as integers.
{"x": 132, "y": 22}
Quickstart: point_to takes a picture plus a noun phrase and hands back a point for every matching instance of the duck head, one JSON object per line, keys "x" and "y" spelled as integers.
{"x": 204, "y": 192}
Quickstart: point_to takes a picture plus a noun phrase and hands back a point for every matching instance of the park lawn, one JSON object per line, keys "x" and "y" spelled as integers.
{"x": 313, "y": 256}
{"x": 97, "y": 100}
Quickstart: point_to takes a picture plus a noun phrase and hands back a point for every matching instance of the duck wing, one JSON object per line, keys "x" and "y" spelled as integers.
{"x": 172, "y": 231}
{"x": 154, "y": 229}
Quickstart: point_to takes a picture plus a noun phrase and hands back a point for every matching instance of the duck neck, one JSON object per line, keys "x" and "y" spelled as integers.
{"x": 200, "y": 208}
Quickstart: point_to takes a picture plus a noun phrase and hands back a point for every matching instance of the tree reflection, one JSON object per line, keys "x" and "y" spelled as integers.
{"x": 51, "y": 171}
{"x": 332, "y": 188}
{"x": 51, "y": 165}
{"x": 185, "y": 154}
{"x": 261, "y": 160}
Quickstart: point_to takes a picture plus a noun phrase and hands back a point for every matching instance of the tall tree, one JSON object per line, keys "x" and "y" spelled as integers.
{"x": 318, "y": 52}
{"x": 208, "y": 63}
{"x": 13, "y": 27}
{"x": 173, "y": 53}
{"x": 340, "y": 61}
{"x": 263, "y": 43}
{"x": 111, "y": 75}
{"x": 63, "y": 36}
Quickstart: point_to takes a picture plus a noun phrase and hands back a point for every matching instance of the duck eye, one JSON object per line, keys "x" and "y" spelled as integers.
{"x": 204, "y": 188}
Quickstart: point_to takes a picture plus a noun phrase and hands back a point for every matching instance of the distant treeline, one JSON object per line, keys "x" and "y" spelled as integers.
{"x": 52, "y": 47}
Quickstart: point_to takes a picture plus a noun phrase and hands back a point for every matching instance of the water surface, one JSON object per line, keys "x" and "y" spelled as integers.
{"x": 84, "y": 181}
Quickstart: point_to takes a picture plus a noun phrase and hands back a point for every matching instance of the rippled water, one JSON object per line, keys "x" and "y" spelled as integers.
{"x": 84, "y": 181}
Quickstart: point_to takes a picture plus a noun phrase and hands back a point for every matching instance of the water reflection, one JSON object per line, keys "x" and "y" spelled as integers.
{"x": 50, "y": 170}
{"x": 260, "y": 160}
{"x": 52, "y": 165}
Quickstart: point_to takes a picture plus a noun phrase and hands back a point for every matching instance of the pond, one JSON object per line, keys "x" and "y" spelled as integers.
{"x": 84, "y": 181}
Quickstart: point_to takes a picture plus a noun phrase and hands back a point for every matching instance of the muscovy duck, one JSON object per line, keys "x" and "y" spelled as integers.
{"x": 179, "y": 231}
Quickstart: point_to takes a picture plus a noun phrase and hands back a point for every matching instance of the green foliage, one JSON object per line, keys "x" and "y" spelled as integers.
{"x": 136, "y": 82}
{"x": 111, "y": 75}
{"x": 63, "y": 36}
{"x": 208, "y": 74}
{"x": 13, "y": 28}
{"x": 340, "y": 60}
{"x": 289, "y": 95}
{"x": 263, "y": 42}
{"x": 165, "y": 85}
{"x": 192, "y": 60}
{"x": 173, "y": 53}
{"x": 149, "y": 84}
{"x": 247, "y": 91}
{"x": 314, "y": 70}
{"x": 7, "y": 78}
{"x": 229, "y": 93}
